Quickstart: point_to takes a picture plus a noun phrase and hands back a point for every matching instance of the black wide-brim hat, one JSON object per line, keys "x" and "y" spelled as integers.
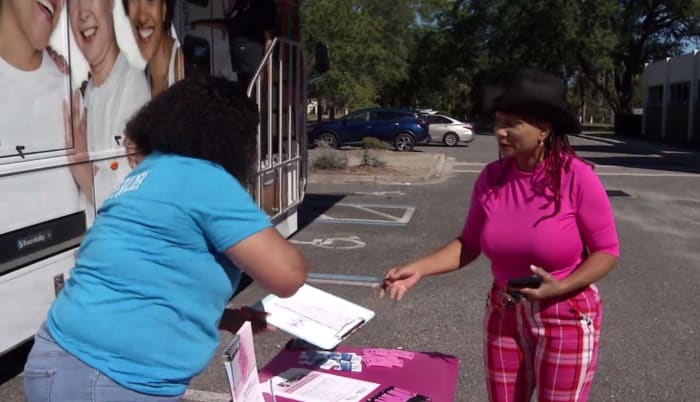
{"x": 538, "y": 94}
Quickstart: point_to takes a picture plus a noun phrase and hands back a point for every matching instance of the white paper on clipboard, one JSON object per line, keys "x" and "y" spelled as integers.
{"x": 316, "y": 316}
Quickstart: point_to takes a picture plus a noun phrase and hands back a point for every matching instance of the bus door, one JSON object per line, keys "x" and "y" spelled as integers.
{"x": 278, "y": 89}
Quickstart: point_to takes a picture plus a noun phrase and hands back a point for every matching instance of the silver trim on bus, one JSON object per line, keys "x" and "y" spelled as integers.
{"x": 278, "y": 88}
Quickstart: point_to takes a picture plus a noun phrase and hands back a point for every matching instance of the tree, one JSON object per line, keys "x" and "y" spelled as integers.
{"x": 607, "y": 42}
{"x": 644, "y": 31}
{"x": 368, "y": 44}
{"x": 439, "y": 53}
{"x": 440, "y": 61}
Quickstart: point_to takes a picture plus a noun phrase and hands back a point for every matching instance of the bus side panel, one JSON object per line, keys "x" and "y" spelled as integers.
{"x": 33, "y": 197}
{"x": 26, "y": 296}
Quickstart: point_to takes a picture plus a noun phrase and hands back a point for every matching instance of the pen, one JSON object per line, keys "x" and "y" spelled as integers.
{"x": 272, "y": 392}
{"x": 347, "y": 280}
{"x": 349, "y": 328}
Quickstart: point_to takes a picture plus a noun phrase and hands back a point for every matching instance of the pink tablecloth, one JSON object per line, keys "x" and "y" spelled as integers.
{"x": 431, "y": 374}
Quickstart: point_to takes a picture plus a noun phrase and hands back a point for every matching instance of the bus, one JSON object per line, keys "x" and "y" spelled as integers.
{"x": 62, "y": 148}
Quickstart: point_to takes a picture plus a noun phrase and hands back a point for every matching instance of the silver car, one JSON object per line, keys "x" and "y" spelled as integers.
{"x": 448, "y": 130}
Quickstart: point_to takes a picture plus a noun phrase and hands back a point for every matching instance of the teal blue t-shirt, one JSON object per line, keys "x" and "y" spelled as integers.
{"x": 144, "y": 300}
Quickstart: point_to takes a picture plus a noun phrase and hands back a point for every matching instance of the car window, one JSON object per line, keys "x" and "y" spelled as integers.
{"x": 431, "y": 119}
{"x": 387, "y": 115}
{"x": 359, "y": 116}
{"x": 442, "y": 120}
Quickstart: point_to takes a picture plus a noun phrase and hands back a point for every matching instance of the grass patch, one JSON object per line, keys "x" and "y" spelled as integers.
{"x": 370, "y": 160}
{"x": 328, "y": 158}
{"x": 374, "y": 143}
{"x": 597, "y": 127}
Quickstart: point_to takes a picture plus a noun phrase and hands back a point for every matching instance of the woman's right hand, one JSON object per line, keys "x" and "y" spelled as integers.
{"x": 398, "y": 281}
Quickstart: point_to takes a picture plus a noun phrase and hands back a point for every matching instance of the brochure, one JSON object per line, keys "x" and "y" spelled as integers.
{"x": 314, "y": 386}
{"x": 241, "y": 369}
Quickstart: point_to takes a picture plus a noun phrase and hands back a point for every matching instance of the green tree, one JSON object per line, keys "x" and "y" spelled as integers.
{"x": 606, "y": 42}
{"x": 440, "y": 61}
{"x": 644, "y": 31}
{"x": 368, "y": 47}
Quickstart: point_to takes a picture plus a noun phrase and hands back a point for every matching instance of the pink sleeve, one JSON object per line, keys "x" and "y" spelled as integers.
{"x": 594, "y": 213}
{"x": 471, "y": 233}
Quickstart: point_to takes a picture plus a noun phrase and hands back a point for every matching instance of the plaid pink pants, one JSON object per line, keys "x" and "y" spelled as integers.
{"x": 550, "y": 346}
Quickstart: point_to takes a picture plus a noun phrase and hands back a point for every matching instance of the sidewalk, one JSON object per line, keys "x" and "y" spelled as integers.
{"x": 401, "y": 168}
{"x": 682, "y": 155}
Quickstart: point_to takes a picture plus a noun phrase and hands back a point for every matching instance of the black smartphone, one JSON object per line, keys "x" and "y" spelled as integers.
{"x": 531, "y": 281}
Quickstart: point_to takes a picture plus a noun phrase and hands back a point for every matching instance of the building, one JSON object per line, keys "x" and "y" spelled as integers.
{"x": 672, "y": 99}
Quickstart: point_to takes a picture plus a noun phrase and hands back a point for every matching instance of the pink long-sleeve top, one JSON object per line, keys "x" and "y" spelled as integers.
{"x": 512, "y": 220}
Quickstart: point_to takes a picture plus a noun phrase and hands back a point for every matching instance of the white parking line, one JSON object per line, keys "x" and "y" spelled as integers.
{"x": 401, "y": 218}
{"x": 205, "y": 396}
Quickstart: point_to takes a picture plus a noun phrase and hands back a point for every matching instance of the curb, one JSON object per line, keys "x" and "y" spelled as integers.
{"x": 598, "y": 139}
{"x": 436, "y": 171}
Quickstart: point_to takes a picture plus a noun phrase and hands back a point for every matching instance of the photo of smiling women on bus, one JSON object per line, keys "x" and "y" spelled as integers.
{"x": 151, "y": 21}
{"x": 115, "y": 89}
{"x": 33, "y": 88}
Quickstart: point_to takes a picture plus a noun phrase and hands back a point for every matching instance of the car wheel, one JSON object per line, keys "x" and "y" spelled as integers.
{"x": 404, "y": 142}
{"x": 450, "y": 139}
{"x": 329, "y": 139}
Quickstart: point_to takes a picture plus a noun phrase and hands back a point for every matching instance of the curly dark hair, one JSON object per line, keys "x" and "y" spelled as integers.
{"x": 207, "y": 118}
{"x": 169, "y": 12}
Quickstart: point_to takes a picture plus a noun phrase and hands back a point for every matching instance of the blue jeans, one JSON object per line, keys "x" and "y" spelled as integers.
{"x": 54, "y": 375}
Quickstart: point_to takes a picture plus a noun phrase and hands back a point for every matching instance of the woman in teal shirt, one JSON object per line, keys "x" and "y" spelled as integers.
{"x": 139, "y": 316}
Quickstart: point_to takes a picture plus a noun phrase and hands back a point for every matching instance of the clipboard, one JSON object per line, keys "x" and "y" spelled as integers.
{"x": 318, "y": 317}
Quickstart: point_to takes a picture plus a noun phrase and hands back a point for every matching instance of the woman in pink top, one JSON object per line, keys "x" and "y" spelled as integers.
{"x": 538, "y": 210}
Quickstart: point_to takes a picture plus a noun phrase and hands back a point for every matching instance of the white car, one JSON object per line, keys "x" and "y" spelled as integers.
{"x": 448, "y": 130}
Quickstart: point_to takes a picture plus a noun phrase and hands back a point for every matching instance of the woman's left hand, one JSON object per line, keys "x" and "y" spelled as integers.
{"x": 550, "y": 286}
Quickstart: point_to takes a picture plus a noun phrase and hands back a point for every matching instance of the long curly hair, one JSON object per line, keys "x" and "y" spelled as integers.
{"x": 207, "y": 118}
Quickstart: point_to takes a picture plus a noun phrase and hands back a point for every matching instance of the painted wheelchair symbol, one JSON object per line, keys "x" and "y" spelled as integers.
{"x": 337, "y": 243}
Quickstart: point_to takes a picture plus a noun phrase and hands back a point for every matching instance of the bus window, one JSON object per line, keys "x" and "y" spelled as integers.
{"x": 200, "y": 3}
{"x": 35, "y": 85}
{"x": 197, "y": 56}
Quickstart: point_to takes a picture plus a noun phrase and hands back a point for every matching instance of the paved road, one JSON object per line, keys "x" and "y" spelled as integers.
{"x": 650, "y": 346}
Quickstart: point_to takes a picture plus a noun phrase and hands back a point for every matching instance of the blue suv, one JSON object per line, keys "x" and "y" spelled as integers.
{"x": 401, "y": 128}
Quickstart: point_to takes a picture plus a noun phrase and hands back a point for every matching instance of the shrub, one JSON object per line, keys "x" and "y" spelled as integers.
{"x": 374, "y": 143}
{"x": 371, "y": 160}
{"x": 328, "y": 158}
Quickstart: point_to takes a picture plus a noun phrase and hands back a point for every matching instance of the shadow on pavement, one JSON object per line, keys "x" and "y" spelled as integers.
{"x": 443, "y": 146}
{"x": 12, "y": 363}
{"x": 315, "y": 205}
{"x": 642, "y": 154}
{"x": 645, "y": 162}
